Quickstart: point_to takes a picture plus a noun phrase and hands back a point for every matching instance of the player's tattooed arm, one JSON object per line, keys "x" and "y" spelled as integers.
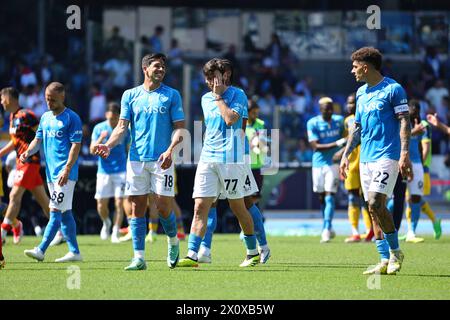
{"x": 404, "y": 162}
{"x": 354, "y": 139}
{"x": 227, "y": 113}
{"x": 405, "y": 131}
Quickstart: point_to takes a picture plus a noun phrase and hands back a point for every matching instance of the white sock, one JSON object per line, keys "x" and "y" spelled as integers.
{"x": 7, "y": 221}
{"x": 139, "y": 254}
{"x": 252, "y": 252}
{"x": 193, "y": 255}
{"x": 264, "y": 247}
{"x": 204, "y": 251}
{"x": 115, "y": 230}
{"x": 355, "y": 231}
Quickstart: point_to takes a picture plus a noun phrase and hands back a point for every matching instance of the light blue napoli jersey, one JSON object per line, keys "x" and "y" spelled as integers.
{"x": 151, "y": 115}
{"x": 117, "y": 160}
{"x": 325, "y": 132}
{"x": 224, "y": 144}
{"x": 376, "y": 109}
{"x": 57, "y": 134}
{"x": 414, "y": 151}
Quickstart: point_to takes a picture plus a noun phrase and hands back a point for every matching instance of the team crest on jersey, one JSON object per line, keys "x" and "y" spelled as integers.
{"x": 381, "y": 95}
{"x": 60, "y": 124}
{"x": 163, "y": 98}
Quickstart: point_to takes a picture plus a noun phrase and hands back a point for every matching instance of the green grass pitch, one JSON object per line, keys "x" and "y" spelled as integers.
{"x": 300, "y": 268}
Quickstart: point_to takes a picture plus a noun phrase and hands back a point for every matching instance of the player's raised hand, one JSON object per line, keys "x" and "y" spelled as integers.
{"x": 418, "y": 128}
{"x": 405, "y": 166}
{"x": 24, "y": 156}
{"x": 433, "y": 119}
{"x": 166, "y": 159}
{"x": 219, "y": 86}
{"x": 102, "y": 150}
{"x": 343, "y": 167}
{"x": 64, "y": 177}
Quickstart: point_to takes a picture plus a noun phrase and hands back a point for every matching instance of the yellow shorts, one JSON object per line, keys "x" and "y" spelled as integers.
{"x": 353, "y": 180}
{"x": 426, "y": 184}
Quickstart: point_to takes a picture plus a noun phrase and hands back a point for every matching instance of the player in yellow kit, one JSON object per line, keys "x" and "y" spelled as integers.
{"x": 353, "y": 184}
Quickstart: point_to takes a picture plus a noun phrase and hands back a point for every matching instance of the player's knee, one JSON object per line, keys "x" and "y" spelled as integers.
{"x": 374, "y": 204}
{"x": 163, "y": 207}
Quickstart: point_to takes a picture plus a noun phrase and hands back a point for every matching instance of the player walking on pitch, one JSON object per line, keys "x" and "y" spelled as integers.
{"x": 221, "y": 168}
{"x": 60, "y": 134}
{"x": 152, "y": 110}
{"x": 382, "y": 127}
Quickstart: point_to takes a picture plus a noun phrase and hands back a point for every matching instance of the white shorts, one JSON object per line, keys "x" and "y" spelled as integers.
{"x": 228, "y": 179}
{"x": 379, "y": 176}
{"x": 61, "y": 197}
{"x": 250, "y": 186}
{"x": 415, "y": 187}
{"x": 325, "y": 179}
{"x": 110, "y": 185}
{"x": 148, "y": 177}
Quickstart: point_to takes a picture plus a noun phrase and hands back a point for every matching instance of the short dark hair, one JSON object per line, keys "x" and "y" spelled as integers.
{"x": 56, "y": 86}
{"x": 149, "y": 58}
{"x": 113, "y": 107}
{"x": 368, "y": 55}
{"x": 10, "y": 91}
{"x": 221, "y": 65}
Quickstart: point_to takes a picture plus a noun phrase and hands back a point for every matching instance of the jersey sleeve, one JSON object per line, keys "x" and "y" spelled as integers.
{"x": 75, "y": 130}
{"x": 125, "y": 108}
{"x": 312, "y": 134}
{"x": 399, "y": 100}
{"x": 176, "y": 107}
{"x": 240, "y": 105}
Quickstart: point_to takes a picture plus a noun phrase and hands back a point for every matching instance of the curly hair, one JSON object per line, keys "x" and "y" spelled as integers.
{"x": 369, "y": 55}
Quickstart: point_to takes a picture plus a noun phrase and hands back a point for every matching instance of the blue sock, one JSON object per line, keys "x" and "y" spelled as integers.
{"x": 250, "y": 242}
{"x": 69, "y": 231}
{"x": 50, "y": 230}
{"x": 390, "y": 205}
{"x": 194, "y": 242}
{"x": 210, "y": 228}
{"x": 138, "y": 231}
{"x": 169, "y": 225}
{"x": 260, "y": 232}
{"x": 383, "y": 248}
{"x": 392, "y": 239}
{"x": 328, "y": 212}
{"x": 415, "y": 214}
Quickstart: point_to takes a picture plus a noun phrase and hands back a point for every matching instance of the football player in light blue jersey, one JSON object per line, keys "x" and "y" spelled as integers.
{"x": 383, "y": 129}
{"x": 325, "y": 134}
{"x": 251, "y": 187}
{"x": 153, "y": 111}
{"x": 221, "y": 168}
{"x": 60, "y": 134}
{"x": 111, "y": 173}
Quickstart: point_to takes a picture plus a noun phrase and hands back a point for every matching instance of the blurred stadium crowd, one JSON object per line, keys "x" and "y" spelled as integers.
{"x": 266, "y": 74}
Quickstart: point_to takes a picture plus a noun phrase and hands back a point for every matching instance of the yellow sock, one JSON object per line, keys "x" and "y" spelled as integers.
{"x": 408, "y": 217}
{"x": 353, "y": 217}
{"x": 154, "y": 226}
{"x": 367, "y": 219}
{"x": 428, "y": 211}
